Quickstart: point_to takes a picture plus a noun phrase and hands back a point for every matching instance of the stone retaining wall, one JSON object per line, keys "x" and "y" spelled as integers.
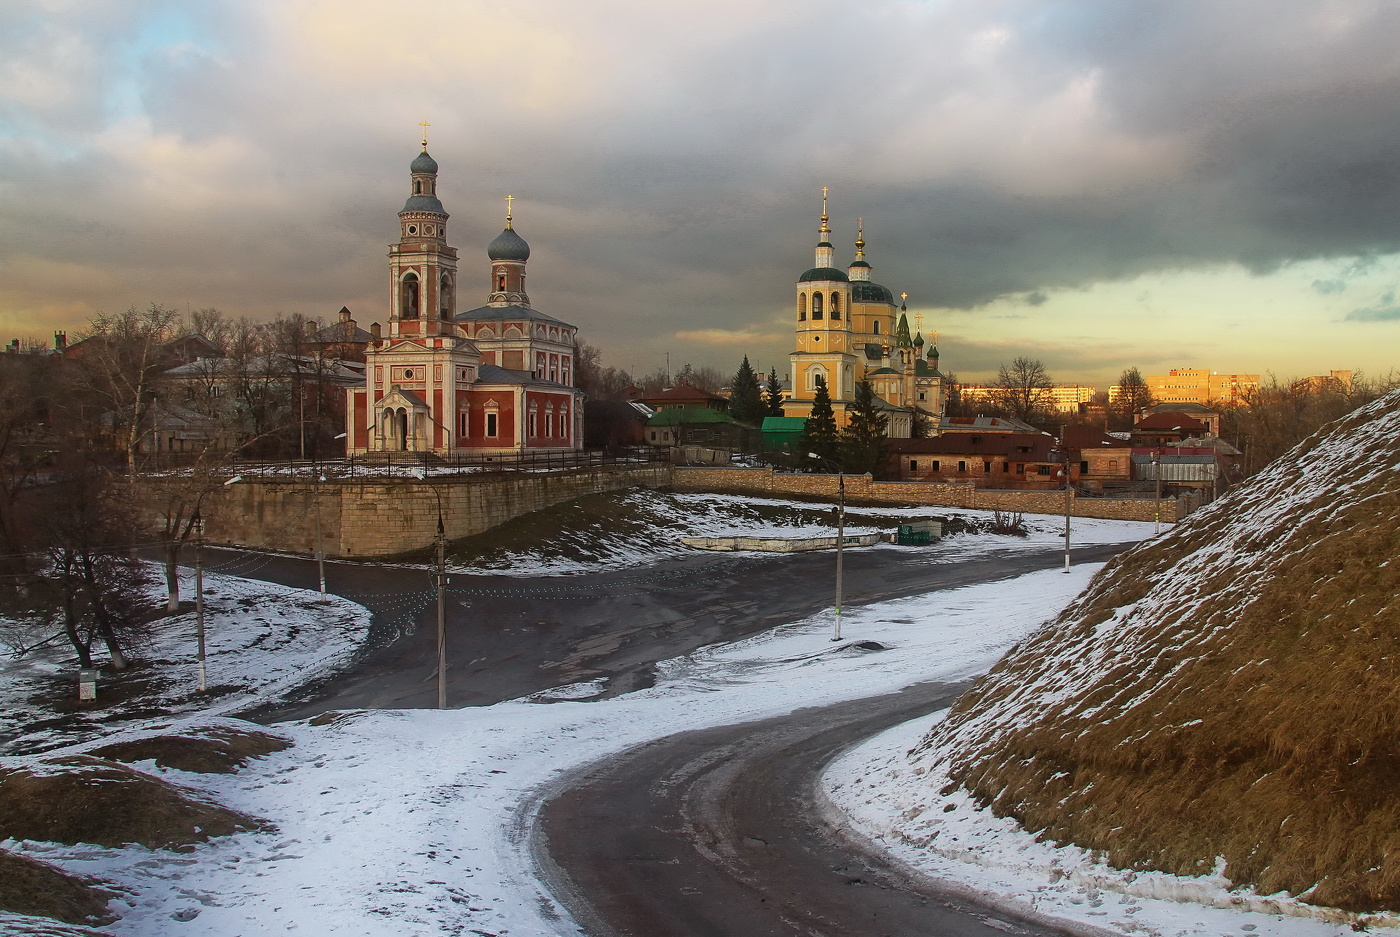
{"x": 942, "y": 494}
{"x": 368, "y": 517}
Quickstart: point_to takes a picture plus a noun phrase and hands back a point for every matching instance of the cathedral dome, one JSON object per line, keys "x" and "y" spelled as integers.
{"x": 824, "y": 274}
{"x": 423, "y": 163}
{"x": 868, "y": 292}
{"x": 424, "y": 203}
{"x": 508, "y": 246}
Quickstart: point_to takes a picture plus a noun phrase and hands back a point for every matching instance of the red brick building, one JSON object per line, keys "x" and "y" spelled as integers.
{"x": 497, "y": 378}
{"x": 988, "y": 460}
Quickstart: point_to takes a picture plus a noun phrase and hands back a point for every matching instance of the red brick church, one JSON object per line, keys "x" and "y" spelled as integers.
{"x": 494, "y": 379}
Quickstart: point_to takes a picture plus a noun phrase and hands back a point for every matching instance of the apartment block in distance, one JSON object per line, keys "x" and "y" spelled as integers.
{"x": 1197, "y": 385}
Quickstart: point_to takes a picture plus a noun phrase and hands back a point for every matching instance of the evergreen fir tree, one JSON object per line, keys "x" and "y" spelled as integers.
{"x": 775, "y": 394}
{"x": 820, "y": 435}
{"x": 746, "y": 396}
{"x": 863, "y": 440}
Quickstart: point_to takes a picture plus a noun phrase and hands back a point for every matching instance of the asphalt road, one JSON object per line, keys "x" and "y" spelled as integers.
{"x": 716, "y": 832}
{"x": 721, "y": 832}
{"x": 508, "y": 637}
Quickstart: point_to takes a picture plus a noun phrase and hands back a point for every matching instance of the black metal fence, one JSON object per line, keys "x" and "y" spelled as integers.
{"x": 418, "y": 464}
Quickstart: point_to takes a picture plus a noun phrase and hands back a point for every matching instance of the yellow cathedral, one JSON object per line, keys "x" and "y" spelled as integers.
{"x": 848, "y": 331}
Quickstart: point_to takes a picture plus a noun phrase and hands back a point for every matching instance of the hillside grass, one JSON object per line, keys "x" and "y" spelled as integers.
{"x": 81, "y": 799}
{"x": 1231, "y": 691}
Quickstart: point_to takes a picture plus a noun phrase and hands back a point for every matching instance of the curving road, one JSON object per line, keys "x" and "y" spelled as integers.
{"x": 713, "y": 832}
{"x": 508, "y": 637}
{"x": 719, "y": 832}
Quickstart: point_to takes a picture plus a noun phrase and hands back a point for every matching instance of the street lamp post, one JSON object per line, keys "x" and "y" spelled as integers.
{"x": 1157, "y": 504}
{"x": 840, "y": 541}
{"x": 1064, "y": 450}
{"x": 1068, "y": 498}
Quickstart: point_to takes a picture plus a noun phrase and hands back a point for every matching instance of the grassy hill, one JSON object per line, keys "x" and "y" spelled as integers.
{"x": 1229, "y": 692}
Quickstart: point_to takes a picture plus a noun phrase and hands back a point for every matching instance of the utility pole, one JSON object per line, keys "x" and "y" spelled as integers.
{"x": 441, "y": 612}
{"x": 320, "y": 546}
{"x": 199, "y": 597}
{"x": 840, "y": 542}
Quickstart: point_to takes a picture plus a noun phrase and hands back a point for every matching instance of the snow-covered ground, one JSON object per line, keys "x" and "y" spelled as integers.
{"x": 412, "y": 823}
{"x": 261, "y": 640}
{"x": 640, "y": 526}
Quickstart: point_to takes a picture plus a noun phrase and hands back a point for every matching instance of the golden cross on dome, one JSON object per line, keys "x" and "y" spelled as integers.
{"x": 509, "y": 200}
{"x": 425, "y": 125}
{"x": 903, "y": 296}
{"x": 825, "y": 228}
{"x": 918, "y": 321}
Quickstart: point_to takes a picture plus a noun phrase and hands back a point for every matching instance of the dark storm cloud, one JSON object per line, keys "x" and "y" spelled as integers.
{"x": 669, "y": 172}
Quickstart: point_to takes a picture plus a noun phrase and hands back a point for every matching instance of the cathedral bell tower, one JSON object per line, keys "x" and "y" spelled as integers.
{"x": 824, "y": 346}
{"x": 423, "y": 269}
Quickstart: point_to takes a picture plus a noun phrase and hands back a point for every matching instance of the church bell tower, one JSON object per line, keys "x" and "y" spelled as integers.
{"x": 423, "y": 269}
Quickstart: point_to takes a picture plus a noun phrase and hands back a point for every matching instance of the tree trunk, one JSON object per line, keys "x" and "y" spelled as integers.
{"x": 75, "y": 638}
{"x": 102, "y": 618}
{"x": 109, "y": 637}
{"x": 172, "y": 576}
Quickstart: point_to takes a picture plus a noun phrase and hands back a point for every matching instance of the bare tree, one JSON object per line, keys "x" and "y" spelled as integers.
{"x": 211, "y": 324}
{"x": 117, "y": 363}
{"x": 1277, "y": 415}
{"x": 1022, "y": 389}
{"x": 1134, "y": 396}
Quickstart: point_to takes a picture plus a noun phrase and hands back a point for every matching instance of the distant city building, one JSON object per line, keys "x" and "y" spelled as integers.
{"x": 1061, "y": 398}
{"x": 1334, "y": 381}
{"x": 1196, "y": 385}
{"x": 848, "y": 331}
{"x": 494, "y": 379}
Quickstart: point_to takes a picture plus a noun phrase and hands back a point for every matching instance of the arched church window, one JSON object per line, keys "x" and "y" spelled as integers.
{"x": 417, "y": 186}
{"x": 835, "y": 305}
{"x": 801, "y": 306}
{"x": 816, "y": 305}
{"x": 408, "y": 296}
{"x": 500, "y": 283}
{"x": 877, "y": 327}
{"x": 445, "y": 296}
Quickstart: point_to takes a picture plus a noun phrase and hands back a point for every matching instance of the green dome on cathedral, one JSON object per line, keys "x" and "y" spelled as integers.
{"x": 823, "y": 274}
{"x": 867, "y": 292}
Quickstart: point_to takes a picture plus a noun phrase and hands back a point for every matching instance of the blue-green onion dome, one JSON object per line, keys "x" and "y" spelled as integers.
{"x": 424, "y": 203}
{"x": 860, "y": 263}
{"x": 508, "y": 246}
{"x": 919, "y": 340}
{"x": 822, "y": 274}
{"x": 423, "y": 163}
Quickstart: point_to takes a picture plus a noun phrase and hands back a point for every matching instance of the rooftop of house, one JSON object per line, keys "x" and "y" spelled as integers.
{"x": 1032, "y": 447}
{"x": 1170, "y": 421}
{"x": 676, "y": 416}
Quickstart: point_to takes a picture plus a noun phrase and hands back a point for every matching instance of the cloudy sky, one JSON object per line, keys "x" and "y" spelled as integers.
{"x": 1096, "y": 184}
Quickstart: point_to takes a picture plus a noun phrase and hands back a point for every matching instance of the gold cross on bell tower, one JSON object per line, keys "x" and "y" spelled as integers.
{"x": 425, "y": 125}
{"x": 509, "y": 200}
